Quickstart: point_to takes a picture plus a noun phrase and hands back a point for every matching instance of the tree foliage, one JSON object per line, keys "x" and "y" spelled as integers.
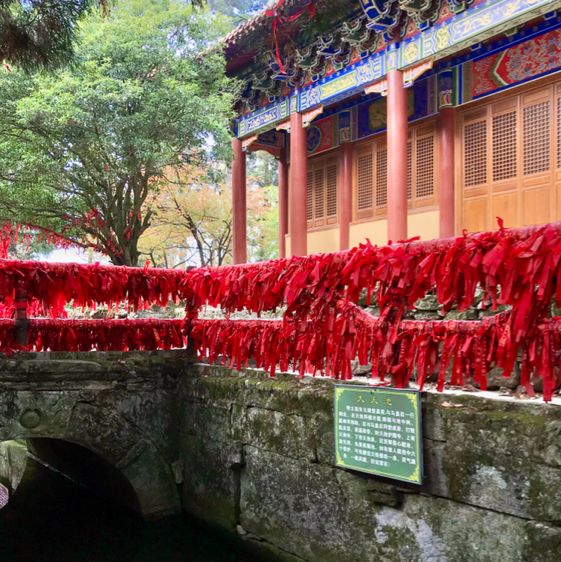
{"x": 192, "y": 220}
{"x": 39, "y": 33}
{"x": 42, "y": 33}
{"x": 263, "y": 212}
{"x": 82, "y": 149}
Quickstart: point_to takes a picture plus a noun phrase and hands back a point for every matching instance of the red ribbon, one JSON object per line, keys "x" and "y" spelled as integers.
{"x": 11, "y": 233}
{"x": 100, "y": 335}
{"x": 270, "y": 344}
{"x": 280, "y": 19}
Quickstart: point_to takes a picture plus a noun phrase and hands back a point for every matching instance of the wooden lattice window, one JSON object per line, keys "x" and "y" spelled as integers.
{"x": 381, "y": 177}
{"x": 424, "y": 167}
{"x": 520, "y": 136}
{"x": 475, "y": 153}
{"x": 331, "y": 190}
{"x": 504, "y": 146}
{"x": 409, "y": 170}
{"x": 319, "y": 193}
{"x": 371, "y": 177}
{"x": 309, "y": 196}
{"x": 421, "y": 166}
{"x": 322, "y": 192}
{"x": 559, "y": 132}
{"x": 364, "y": 181}
{"x": 536, "y": 138}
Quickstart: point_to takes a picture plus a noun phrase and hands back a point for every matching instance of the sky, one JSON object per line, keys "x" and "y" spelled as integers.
{"x": 72, "y": 255}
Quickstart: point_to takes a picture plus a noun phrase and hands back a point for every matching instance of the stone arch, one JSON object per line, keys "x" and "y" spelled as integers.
{"x": 86, "y": 469}
{"x": 75, "y": 418}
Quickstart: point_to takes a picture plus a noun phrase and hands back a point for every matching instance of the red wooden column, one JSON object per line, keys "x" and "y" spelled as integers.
{"x": 298, "y": 180}
{"x": 283, "y": 203}
{"x": 239, "y": 209}
{"x": 397, "y": 156}
{"x": 446, "y": 195}
{"x": 345, "y": 194}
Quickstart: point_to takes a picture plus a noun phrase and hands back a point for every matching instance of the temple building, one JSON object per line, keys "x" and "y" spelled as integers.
{"x": 399, "y": 118}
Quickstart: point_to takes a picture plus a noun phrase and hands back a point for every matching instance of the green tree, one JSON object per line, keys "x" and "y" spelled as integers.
{"x": 82, "y": 149}
{"x": 41, "y": 33}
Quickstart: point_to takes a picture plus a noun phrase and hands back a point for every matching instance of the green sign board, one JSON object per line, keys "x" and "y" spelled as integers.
{"x": 378, "y": 430}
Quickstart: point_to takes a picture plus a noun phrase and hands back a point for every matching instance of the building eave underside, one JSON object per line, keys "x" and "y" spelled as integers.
{"x": 249, "y": 105}
{"x": 388, "y": 18}
{"x": 245, "y": 42}
{"x": 313, "y": 46}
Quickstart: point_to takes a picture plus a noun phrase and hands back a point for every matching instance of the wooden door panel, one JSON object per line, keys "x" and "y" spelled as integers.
{"x": 504, "y": 148}
{"x": 536, "y": 206}
{"x": 364, "y": 182}
{"x": 536, "y": 95}
{"x": 475, "y": 114}
{"x": 538, "y": 180}
{"x": 475, "y": 213}
{"x": 504, "y": 206}
{"x": 479, "y": 191}
{"x": 520, "y": 178}
{"x": 509, "y": 185}
{"x": 504, "y": 106}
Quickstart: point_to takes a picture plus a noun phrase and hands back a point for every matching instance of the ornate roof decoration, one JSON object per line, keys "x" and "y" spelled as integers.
{"x": 382, "y": 15}
{"x": 385, "y": 16}
{"x": 360, "y": 28}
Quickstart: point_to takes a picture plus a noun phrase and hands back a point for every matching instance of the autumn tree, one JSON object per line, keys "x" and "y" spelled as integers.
{"x": 192, "y": 222}
{"x": 263, "y": 211}
{"x": 82, "y": 149}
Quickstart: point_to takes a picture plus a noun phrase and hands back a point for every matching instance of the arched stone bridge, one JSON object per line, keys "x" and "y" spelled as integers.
{"x": 118, "y": 406}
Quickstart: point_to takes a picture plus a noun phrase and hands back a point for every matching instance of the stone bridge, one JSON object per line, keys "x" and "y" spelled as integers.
{"x": 118, "y": 406}
{"x": 255, "y": 456}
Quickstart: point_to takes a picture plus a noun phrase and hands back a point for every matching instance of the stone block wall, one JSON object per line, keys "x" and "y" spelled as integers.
{"x": 259, "y": 461}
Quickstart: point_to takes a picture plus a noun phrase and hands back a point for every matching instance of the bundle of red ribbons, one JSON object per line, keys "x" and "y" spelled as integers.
{"x": 427, "y": 348}
{"x": 24, "y": 234}
{"x": 517, "y": 267}
{"x": 56, "y": 284}
{"x": 322, "y": 330}
{"x": 101, "y": 335}
{"x": 513, "y": 267}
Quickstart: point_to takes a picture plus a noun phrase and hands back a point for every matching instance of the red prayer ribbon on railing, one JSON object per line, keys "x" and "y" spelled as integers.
{"x": 322, "y": 329}
{"x": 47, "y": 334}
{"x": 56, "y": 284}
{"x": 429, "y": 348}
